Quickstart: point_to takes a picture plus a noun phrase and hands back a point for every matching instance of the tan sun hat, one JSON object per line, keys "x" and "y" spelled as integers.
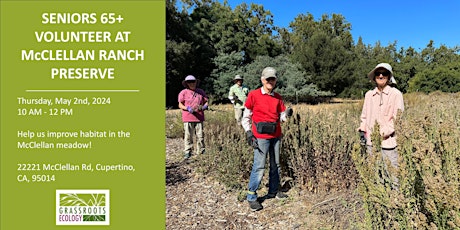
{"x": 237, "y": 77}
{"x": 386, "y": 66}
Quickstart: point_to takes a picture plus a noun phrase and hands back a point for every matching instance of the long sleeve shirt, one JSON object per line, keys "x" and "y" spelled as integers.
{"x": 238, "y": 95}
{"x": 382, "y": 108}
{"x": 262, "y": 106}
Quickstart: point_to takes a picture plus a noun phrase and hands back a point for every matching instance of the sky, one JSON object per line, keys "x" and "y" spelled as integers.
{"x": 408, "y": 22}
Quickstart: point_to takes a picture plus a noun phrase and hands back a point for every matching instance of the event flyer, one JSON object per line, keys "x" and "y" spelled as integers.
{"x": 82, "y": 115}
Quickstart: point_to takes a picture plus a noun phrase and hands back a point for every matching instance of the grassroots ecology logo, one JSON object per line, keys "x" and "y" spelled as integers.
{"x": 82, "y": 207}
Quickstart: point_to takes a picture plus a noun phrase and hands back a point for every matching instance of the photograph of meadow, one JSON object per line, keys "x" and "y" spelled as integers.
{"x": 322, "y": 54}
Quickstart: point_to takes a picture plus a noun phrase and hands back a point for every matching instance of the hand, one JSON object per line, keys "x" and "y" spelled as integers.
{"x": 251, "y": 139}
{"x": 189, "y": 109}
{"x": 362, "y": 137}
{"x": 236, "y": 99}
{"x": 202, "y": 107}
{"x": 388, "y": 136}
{"x": 289, "y": 111}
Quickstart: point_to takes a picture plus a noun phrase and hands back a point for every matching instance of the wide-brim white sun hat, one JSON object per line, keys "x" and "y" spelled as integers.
{"x": 386, "y": 66}
{"x": 189, "y": 78}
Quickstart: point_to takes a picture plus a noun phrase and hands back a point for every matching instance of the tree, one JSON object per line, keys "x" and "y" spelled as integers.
{"x": 179, "y": 50}
{"x": 228, "y": 65}
{"x": 209, "y": 35}
{"x": 360, "y": 65}
{"x": 214, "y": 42}
{"x": 445, "y": 78}
{"x": 324, "y": 48}
{"x": 292, "y": 83}
{"x": 439, "y": 70}
{"x": 237, "y": 37}
{"x": 410, "y": 64}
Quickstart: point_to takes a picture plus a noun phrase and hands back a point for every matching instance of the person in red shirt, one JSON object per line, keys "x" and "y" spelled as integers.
{"x": 264, "y": 111}
{"x": 192, "y": 101}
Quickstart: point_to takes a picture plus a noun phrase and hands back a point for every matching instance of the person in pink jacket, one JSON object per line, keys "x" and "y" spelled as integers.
{"x": 381, "y": 106}
{"x": 192, "y": 101}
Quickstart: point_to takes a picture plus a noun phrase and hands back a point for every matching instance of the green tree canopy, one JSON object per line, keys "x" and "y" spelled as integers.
{"x": 292, "y": 82}
{"x": 445, "y": 78}
{"x": 314, "y": 57}
{"x": 324, "y": 48}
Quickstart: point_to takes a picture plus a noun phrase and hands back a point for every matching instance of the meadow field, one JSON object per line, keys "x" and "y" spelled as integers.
{"x": 321, "y": 154}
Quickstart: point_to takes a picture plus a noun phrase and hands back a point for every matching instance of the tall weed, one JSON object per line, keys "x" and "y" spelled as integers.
{"x": 228, "y": 158}
{"x": 321, "y": 152}
{"x": 317, "y": 148}
{"x": 428, "y": 145}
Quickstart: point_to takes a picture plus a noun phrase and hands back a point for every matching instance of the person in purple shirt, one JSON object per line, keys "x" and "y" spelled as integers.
{"x": 192, "y": 101}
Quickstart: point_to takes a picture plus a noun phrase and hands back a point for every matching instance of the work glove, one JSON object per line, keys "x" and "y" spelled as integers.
{"x": 202, "y": 107}
{"x": 190, "y": 109}
{"x": 236, "y": 99}
{"x": 289, "y": 112}
{"x": 251, "y": 139}
{"x": 362, "y": 138}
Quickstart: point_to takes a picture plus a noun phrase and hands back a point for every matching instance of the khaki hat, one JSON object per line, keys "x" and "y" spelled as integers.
{"x": 386, "y": 66}
{"x": 237, "y": 77}
{"x": 268, "y": 72}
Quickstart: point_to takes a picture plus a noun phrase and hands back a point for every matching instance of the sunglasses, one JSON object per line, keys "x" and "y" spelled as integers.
{"x": 190, "y": 81}
{"x": 271, "y": 79}
{"x": 384, "y": 73}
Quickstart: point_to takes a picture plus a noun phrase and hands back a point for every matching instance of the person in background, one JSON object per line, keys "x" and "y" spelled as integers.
{"x": 193, "y": 101}
{"x": 264, "y": 111}
{"x": 237, "y": 95}
{"x": 381, "y": 105}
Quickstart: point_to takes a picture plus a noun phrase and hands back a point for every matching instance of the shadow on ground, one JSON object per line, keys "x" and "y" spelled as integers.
{"x": 177, "y": 172}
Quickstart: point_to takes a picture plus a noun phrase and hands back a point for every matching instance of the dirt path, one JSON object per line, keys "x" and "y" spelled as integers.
{"x": 195, "y": 201}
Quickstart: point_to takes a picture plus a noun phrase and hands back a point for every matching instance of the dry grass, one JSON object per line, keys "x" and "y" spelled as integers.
{"x": 200, "y": 201}
{"x": 321, "y": 155}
